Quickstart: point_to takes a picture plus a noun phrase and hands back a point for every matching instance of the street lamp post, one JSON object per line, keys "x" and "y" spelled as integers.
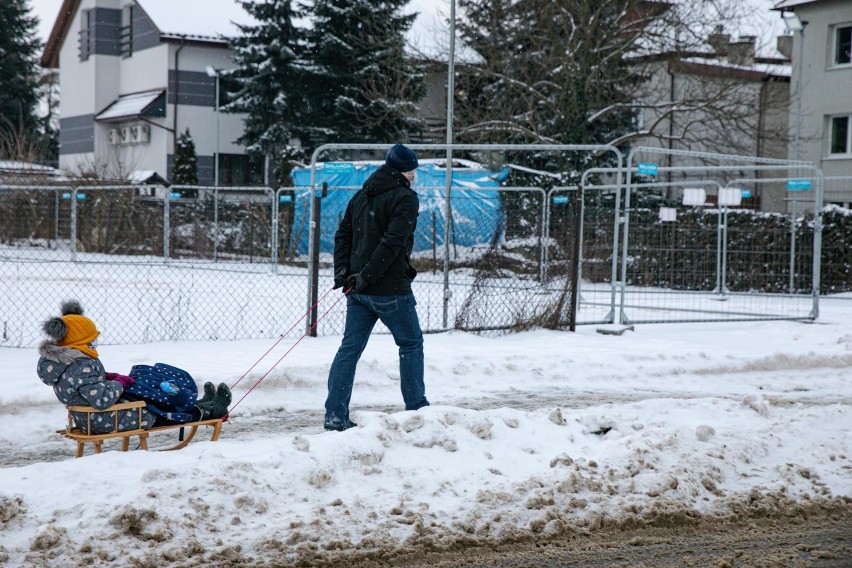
{"x": 795, "y": 24}
{"x": 214, "y": 73}
{"x": 448, "y": 213}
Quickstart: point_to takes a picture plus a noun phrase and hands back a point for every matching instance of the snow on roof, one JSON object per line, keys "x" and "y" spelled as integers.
{"x": 777, "y": 70}
{"x": 27, "y": 167}
{"x": 204, "y": 19}
{"x": 129, "y": 105}
{"x": 791, "y": 4}
{"x": 458, "y": 163}
{"x": 16, "y": 172}
{"x": 143, "y": 176}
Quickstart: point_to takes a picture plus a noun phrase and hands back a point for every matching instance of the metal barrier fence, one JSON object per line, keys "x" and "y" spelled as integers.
{"x": 199, "y": 263}
{"x": 490, "y": 299}
{"x": 748, "y": 283}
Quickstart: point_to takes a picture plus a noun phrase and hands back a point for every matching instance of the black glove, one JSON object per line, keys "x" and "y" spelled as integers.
{"x": 339, "y": 281}
{"x": 356, "y": 283}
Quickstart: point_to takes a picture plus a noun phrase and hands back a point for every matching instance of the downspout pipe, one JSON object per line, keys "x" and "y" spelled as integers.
{"x": 672, "y": 94}
{"x": 177, "y": 96}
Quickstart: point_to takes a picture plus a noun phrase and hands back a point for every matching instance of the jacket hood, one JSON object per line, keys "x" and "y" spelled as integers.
{"x": 385, "y": 179}
{"x": 54, "y": 352}
{"x": 59, "y": 359}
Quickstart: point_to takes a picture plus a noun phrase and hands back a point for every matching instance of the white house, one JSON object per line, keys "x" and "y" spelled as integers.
{"x": 134, "y": 73}
{"x": 821, "y": 116}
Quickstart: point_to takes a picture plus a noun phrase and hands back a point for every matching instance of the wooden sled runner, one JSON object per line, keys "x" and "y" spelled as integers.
{"x": 97, "y": 440}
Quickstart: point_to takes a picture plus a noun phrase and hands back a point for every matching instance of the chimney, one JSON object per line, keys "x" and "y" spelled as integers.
{"x": 784, "y": 44}
{"x": 741, "y": 52}
{"x": 719, "y": 40}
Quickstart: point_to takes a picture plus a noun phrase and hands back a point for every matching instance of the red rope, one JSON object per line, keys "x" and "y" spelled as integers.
{"x": 310, "y": 329}
{"x": 283, "y": 335}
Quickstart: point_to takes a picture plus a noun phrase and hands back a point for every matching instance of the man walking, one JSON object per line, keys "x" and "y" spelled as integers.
{"x": 372, "y": 247}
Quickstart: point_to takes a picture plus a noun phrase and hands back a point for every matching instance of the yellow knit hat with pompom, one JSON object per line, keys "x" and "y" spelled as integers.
{"x": 80, "y": 335}
{"x": 73, "y": 329}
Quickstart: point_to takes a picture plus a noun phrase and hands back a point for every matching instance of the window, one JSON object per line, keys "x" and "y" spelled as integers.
{"x": 238, "y": 169}
{"x": 843, "y": 45}
{"x": 86, "y": 34}
{"x": 127, "y": 30}
{"x": 840, "y": 138}
{"x": 228, "y": 86}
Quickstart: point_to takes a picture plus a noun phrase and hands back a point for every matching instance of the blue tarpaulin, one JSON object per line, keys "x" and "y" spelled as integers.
{"x": 476, "y": 204}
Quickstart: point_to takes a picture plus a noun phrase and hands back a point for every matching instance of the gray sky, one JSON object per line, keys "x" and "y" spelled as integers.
{"x": 429, "y": 31}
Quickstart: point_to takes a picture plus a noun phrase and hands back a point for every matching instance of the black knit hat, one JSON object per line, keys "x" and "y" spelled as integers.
{"x": 401, "y": 158}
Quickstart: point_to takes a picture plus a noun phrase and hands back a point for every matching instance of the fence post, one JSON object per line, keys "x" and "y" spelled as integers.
{"x": 56, "y": 219}
{"x": 819, "y": 200}
{"x": 166, "y": 222}
{"x": 542, "y": 239}
{"x": 724, "y": 272}
{"x": 74, "y": 224}
{"x": 276, "y": 195}
{"x": 315, "y": 222}
{"x": 216, "y": 220}
{"x": 793, "y": 246}
{"x": 575, "y": 260}
{"x": 434, "y": 242}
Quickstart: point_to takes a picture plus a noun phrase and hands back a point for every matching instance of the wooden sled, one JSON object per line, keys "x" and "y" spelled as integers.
{"x": 97, "y": 440}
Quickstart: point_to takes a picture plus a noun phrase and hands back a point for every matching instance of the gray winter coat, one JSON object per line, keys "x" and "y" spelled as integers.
{"x": 79, "y": 380}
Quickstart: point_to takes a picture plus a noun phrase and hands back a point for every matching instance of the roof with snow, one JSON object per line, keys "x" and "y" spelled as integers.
{"x": 13, "y": 172}
{"x": 133, "y": 105}
{"x": 210, "y": 19}
{"x": 27, "y": 167}
{"x": 784, "y": 4}
{"x": 772, "y": 69}
{"x": 199, "y": 20}
{"x": 146, "y": 177}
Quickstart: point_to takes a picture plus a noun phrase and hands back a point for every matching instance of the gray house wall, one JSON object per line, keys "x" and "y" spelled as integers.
{"x": 825, "y": 90}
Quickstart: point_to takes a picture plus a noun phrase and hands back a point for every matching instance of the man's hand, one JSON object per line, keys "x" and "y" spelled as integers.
{"x": 356, "y": 283}
{"x": 339, "y": 281}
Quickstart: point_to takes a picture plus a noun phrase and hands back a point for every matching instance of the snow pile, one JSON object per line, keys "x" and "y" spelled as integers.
{"x": 535, "y": 435}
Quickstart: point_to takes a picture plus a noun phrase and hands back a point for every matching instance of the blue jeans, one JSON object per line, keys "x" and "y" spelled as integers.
{"x": 400, "y": 317}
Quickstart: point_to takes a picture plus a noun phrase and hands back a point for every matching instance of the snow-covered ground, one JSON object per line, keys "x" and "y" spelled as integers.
{"x": 706, "y": 419}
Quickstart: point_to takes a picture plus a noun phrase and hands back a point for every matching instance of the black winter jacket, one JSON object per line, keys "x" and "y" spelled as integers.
{"x": 376, "y": 234}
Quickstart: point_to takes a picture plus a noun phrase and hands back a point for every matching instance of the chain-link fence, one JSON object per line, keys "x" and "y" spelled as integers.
{"x": 153, "y": 263}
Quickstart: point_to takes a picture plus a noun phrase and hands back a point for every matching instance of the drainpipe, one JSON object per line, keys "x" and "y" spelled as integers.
{"x": 761, "y": 109}
{"x": 672, "y": 93}
{"x": 177, "y": 93}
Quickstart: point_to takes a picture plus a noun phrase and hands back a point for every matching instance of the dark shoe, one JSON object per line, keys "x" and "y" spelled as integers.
{"x": 218, "y": 407}
{"x": 338, "y": 424}
{"x": 209, "y": 393}
{"x": 223, "y": 393}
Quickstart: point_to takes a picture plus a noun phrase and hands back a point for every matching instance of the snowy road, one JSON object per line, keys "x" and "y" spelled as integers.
{"x": 718, "y": 432}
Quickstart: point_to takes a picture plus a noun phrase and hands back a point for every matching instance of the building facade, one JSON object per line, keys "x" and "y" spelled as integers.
{"x": 821, "y": 87}
{"x": 134, "y": 75}
{"x": 725, "y": 99}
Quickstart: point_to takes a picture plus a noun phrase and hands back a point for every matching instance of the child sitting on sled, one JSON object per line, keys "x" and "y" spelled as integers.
{"x": 69, "y": 363}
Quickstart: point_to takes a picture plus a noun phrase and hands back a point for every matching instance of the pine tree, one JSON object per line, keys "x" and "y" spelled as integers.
{"x": 270, "y": 79}
{"x": 549, "y": 67}
{"x": 185, "y": 170}
{"x": 19, "y": 77}
{"x": 364, "y": 83}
